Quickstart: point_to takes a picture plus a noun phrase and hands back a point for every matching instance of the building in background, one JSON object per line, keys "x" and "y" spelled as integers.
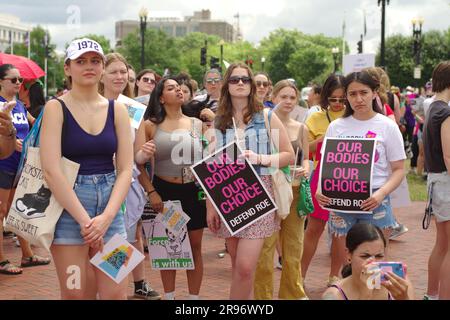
{"x": 176, "y": 26}
{"x": 11, "y": 30}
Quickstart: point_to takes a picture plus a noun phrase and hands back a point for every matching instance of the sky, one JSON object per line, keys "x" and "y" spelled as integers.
{"x": 67, "y": 19}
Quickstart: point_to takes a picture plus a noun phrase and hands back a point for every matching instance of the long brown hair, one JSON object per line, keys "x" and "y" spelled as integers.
{"x": 224, "y": 116}
{"x": 110, "y": 58}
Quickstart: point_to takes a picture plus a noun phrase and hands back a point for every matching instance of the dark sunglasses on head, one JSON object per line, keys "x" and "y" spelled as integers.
{"x": 212, "y": 80}
{"x": 146, "y": 80}
{"x": 235, "y": 80}
{"x": 336, "y": 100}
{"x": 265, "y": 84}
{"x": 14, "y": 80}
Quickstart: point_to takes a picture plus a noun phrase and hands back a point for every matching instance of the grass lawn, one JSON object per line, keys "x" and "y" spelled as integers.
{"x": 417, "y": 187}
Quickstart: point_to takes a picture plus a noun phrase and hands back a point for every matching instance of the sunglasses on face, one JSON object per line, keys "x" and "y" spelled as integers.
{"x": 336, "y": 100}
{"x": 148, "y": 80}
{"x": 14, "y": 80}
{"x": 212, "y": 80}
{"x": 235, "y": 80}
{"x": 265, "y": 84}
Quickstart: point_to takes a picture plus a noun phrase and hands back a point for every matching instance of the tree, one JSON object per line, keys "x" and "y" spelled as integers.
{"x": 161, "y": 51}
{"x": 400, "y": 61}
{"x": 55, "y": 73}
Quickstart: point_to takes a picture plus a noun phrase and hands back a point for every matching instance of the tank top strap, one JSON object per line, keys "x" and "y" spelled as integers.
{"x": 64, "y": 124}
{"x": 111, "y": 115}
{"x": 340, "y": 290}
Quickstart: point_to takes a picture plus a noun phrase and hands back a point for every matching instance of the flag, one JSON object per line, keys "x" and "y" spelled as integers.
{"x": 11, "y": 42}
{"x": 365, "y": 25}
{"x": 26, "y": 38}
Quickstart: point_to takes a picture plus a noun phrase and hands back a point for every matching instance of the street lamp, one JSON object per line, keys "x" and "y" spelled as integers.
{"x": 143, "y": 13}
{"x": 263, "y": 60}
{"x": 335, "y": 52}
{"x": 383, "y": 18}
{"x": 221, "y": 43}
{"x": 417, "y": 35}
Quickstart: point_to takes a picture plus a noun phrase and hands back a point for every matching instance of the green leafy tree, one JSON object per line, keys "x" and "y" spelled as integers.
{"x": 400, "y": 62}
{"x": 55, "y": 71}
{"x": 161, "y": 51}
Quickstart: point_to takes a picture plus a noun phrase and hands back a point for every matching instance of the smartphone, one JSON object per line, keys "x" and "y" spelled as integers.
{"x": 395, "y": 267}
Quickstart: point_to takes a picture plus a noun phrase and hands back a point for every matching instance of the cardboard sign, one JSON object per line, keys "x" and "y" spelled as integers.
{"x": 118, "y": 258}
{"x": 173, "y": 217}
{"x": 346, "y": 173}
{"x": 234, "y": 188}
{"x": 167, "y": 250}
{"x": 357, "y": 62}
{"x": 136, "y": 110}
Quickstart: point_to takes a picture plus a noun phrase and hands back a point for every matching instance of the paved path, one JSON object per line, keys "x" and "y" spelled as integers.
{"x": 413, "y": 248}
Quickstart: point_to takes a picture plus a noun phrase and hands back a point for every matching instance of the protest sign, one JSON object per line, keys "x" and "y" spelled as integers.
{"x": 234, "y": 188}
{"x": 135, "y": 109}
{"x": 117, "y": 259}
{"x": 346, "y": 173}
{"x": 167, "y": 250}
{"x": 173, "y": 216}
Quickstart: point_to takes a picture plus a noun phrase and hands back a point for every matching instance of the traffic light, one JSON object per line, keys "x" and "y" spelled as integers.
{"x": 360, "y": 46}
{"x": 203, "y": 56}
{"x": 214, "y": 63}
{"x": 47, "y": 52}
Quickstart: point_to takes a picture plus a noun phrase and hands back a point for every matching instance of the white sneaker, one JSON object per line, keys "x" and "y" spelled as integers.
{"x": 398, "y": 231}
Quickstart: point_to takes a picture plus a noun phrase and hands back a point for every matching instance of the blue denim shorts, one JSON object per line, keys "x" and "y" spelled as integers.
{"x": 340, "y": 223}
{"x": 7, "y": 179}
{"x": 93, "y": 191}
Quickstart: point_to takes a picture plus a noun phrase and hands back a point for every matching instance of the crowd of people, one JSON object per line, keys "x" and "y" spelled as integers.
{"x": 87, "y": 124}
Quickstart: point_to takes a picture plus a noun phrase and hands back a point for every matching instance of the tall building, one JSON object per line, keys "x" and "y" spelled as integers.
{"x": 11, "y": 30}
{"x": 177, "y": 26}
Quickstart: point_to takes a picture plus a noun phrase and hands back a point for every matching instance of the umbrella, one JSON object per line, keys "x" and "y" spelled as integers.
{"x": 29, "y": 70}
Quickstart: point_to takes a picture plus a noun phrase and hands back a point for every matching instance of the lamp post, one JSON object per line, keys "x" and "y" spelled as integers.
{"x": 383, "y": 18}
{"x": 143, "y": 13}
{"x": 263, "y": 60}
{"x": 335, "y": 52}
{"x": 417, "y": 40}
{"x": 221, "y": 43}
{"x": 417, "y": 37}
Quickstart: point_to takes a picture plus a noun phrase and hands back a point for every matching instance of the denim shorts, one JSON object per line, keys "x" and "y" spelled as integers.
{"x": 7, "y": 179}
{"x": 93, "y": 191}
{"x": 440, "y": 184}
{"x": 340, "y": 223}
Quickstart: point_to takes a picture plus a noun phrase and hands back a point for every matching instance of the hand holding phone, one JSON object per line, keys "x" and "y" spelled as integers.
{"x": 397, "y": 268}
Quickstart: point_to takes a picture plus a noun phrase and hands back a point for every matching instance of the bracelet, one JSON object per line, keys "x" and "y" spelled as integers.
{"x": 150, "y": 192}
{"x": 259, "y": 160}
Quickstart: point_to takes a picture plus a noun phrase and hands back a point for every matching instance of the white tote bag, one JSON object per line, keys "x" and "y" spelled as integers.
{"x": 34, "y": 211}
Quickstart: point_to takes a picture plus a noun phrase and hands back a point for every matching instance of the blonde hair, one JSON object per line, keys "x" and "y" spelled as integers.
{"x": 381, "y": 76}
{"x": 110, "y": 58}
{"x": 280, "y": 85}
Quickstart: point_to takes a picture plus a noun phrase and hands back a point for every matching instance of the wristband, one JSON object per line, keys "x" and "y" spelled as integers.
{"x": 150, "y": 192}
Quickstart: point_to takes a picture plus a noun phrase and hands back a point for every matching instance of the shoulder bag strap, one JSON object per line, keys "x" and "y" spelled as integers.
{"x": 64, "y": 126}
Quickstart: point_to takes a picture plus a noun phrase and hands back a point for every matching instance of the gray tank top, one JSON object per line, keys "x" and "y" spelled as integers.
{"x": 177, "y": 150}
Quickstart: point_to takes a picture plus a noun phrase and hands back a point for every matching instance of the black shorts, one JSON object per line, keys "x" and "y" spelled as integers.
{"x": 190, "y": 196}
{"x": 7, "y": 179}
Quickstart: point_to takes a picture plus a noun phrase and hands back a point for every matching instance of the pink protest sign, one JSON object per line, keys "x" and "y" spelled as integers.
{"x": 346, "y": 173}
{"x": 234, "y": 188}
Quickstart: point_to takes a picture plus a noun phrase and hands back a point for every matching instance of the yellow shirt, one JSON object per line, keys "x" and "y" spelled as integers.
{"x": 318, "y": 122}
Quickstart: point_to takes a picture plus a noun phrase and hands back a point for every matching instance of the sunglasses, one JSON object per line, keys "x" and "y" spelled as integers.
{"x": 235, "y": 80}
{"x": 212, "y": 80}
{"x": 146, "y": 80}
{"x": 15, "y": 80}
{"x": 265, "y": 84}
{"x": 337, "y": 100}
